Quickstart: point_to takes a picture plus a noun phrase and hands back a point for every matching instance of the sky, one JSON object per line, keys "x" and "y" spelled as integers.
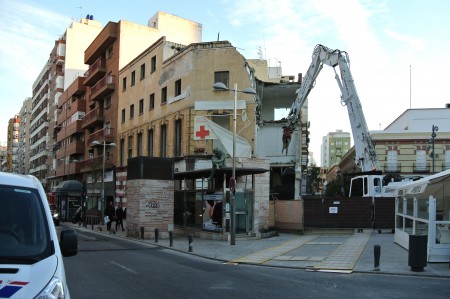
{"x": 398, "y": 49}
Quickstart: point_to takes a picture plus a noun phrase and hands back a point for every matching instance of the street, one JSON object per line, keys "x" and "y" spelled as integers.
{"x": 108, "y": 267}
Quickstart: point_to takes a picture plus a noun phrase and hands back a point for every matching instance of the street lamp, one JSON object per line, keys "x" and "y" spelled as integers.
{"x": 103, "y": 169}
{"x": 219, "y": 86}
{"x": 434, "y": 129}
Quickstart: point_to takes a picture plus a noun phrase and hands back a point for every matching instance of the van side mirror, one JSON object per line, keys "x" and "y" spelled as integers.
{"x": 68, "y": 242}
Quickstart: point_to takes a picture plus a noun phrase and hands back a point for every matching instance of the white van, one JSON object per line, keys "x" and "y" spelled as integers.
{"x": 31, "y": 263}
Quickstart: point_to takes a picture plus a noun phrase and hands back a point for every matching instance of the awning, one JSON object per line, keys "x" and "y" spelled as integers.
{"x": 71, "y": 187}
{"x": 437, "y": 185}
{"x": 206, "y": 172}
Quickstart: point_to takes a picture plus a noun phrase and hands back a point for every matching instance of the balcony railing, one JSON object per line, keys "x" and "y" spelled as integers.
{"x": 95, "y": 71}
{"x": 105, "y": 134}
{"x": 92, "y": 117}
{"x": 103, "y": 87}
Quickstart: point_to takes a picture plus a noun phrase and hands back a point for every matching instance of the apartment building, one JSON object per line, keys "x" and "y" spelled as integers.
{"x": 65, "y": 63}
{"x": 12, "y": 145}
{"x": 23, "y": 151}
{"x": 114, "y": 47}
{"x": 334, "y": 146}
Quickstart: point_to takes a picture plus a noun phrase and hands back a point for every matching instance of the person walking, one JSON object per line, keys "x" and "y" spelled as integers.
{"x": 119, "y": 216}
{"x": 109, "y": 211}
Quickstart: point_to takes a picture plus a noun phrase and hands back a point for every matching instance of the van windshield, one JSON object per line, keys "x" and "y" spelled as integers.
{"x": 24, "y": 232}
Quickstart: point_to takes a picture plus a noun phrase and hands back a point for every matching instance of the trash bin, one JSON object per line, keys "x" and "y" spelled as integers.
{"x": 417, "y": 254}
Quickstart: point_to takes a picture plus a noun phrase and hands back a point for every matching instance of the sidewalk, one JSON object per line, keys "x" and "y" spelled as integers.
{"x": 329, "y": 251}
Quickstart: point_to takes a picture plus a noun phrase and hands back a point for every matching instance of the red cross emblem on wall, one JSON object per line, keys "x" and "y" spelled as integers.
{"x": 202, "y": 133}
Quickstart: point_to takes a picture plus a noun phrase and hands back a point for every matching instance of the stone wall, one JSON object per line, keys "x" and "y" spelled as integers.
{"x": 149, "y": 205}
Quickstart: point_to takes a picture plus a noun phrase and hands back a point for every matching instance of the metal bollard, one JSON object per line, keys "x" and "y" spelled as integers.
{"x": 171, "y": 238}
{"x": 142, "y": 232}
{"x": 156, "y": 235}
{"x": 190, "y": 239}
{"x": 376, "y": 253}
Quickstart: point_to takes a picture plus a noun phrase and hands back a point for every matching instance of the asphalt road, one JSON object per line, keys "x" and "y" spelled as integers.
{"x": 111, "y": 268}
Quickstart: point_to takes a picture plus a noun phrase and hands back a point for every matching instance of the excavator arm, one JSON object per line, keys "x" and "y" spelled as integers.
{"x": 365, "y": 151}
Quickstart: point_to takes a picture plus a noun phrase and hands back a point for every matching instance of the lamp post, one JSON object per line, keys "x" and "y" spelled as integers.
{"x": 434, "y": 129}
{"x": 219, "y": 86}
{"x": 103, "y": 169}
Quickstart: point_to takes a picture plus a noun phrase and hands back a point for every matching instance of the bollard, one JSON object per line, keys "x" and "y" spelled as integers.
{"x": 142, "y": 232}
{"x": 190, "y": 239}
{"x": 171, "y": 238}
{"x": 376, "y": 253}
{"x": 156, "y": 235}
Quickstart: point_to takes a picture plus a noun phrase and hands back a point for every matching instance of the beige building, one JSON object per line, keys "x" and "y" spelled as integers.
{"x": 24, "y": 137}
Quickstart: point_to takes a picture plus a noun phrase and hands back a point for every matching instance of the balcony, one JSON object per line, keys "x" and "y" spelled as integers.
{"x": 101, "y": 43}
{"x": 76, "y": 89}
{"x": 97, "y": 163}
{"x": 71, "y": 129}
{"x": 392, "y": 167}
{"x": 71, "y": 149}
{"x": 105, "y": 134}
{"x": 63, "y": 169}
{"x": 96, "y": 71}
{"x": 103, "y": 87}
{"x": 92, "y": 118}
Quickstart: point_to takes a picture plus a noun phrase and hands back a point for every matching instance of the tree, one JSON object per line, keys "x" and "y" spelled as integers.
{"x": 313, "y": 180}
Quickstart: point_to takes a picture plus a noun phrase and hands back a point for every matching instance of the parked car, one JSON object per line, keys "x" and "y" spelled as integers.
{"x": 55, "y": 214}
{"x": 29, "y": 247}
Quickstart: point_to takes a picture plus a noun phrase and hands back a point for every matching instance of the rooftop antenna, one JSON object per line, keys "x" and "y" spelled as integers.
{"x": 81, "y": 11}
{"x": 409, "y": 86}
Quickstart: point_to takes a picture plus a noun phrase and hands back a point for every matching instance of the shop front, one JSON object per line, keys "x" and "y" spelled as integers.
{"x": 422, "y": 208}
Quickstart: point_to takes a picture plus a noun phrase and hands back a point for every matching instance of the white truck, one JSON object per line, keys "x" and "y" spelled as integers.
{"x": 370, "y": 181}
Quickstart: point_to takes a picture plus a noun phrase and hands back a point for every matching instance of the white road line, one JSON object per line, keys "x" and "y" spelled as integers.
{"x": 87, "y": 237}
{"x": 123, "y": 267}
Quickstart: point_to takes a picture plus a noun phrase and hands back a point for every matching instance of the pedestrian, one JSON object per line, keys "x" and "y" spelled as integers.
{"x": 119, "y": 216}
{"x": 109, "y": 212}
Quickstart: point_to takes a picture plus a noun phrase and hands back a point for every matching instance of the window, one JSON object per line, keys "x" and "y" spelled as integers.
{"x": 109, "y": 53}
{"x": 421, "y": 160}
{"x": 177, "y": 147}
{"x": 447, "y": 160}
{"x": 122, "y": 151}
{"x": 141, "y": 106}
{"x": 130, "y": 147}
{"x": 150, "y": 142}
{"x": 131, "y": 111}
{"x": 139, "y": 144}
{"x": 123, "y": 115}
{"x": 153, "y": 64}
{"x": 164, "y": 95}
{"x": 392, "y": 160}
{"x": 163, "y": 141}
{"x": 133, "y": 78}
{"x": 178, "y": 87}
{"x": 151, "y": 105}
{"x": 222, "y": 77}
{"x": 124, "y": 83}
{"x": 142, "y": 71}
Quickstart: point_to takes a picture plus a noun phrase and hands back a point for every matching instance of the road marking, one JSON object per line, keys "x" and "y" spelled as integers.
{"x": 123, "y": 267}
{"x": 87, "y": 237}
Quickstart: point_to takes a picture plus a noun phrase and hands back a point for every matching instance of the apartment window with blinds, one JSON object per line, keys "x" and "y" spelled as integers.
{"x": 123, "y": 115}
{"x": 163, "y": 95}
{"x": 151, "y": 105}
{"x": 142, "y": 71}
{"x": 178, "y": 87}
{"x": 133, "y": 78}
{"x": 124, "y": 84}
{"x": 153, "y": 64}
{"x": 131, "y": 111}
{"x": 130, "y": 147}
{"x": 141, "y": 106}
{"x": 223, "y": 77}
